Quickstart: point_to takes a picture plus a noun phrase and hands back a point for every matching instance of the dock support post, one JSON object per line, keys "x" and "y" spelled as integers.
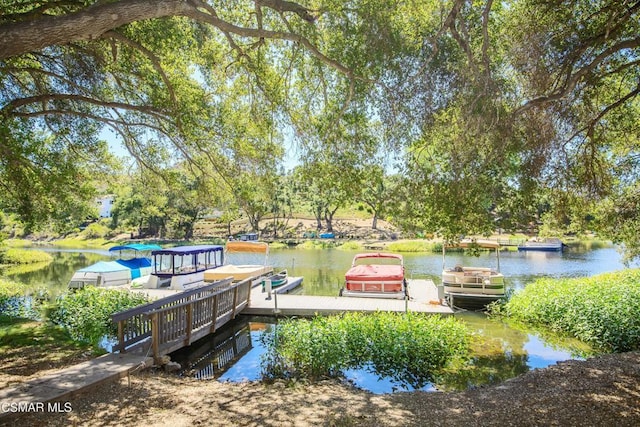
{"x": 189, "y": 325}
{"x": 155, "y": 338}
{"x": 267, "y": 287}
{"x": 275, "y": 300}
{"x": 121, "y": 336}
{"x": 235, "y": 302}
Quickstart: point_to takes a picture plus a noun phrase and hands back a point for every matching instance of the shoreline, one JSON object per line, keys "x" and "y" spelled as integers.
{"x": 600, "y": 391}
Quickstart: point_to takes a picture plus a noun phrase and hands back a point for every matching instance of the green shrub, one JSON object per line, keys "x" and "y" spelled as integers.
{"x": 24, "y": 256}
{"x": 350, "y": 246}
{"x": 411, "y": 246}
{"x": 316, "y": 244}
{"x": 11, "y": 294}
{"x": 15, "y": 302}
{"x": 95, "y": 230}
{"x": 603, "y": 310}
{"x": 409, "y": 347}
{"x": 86, "y": 313}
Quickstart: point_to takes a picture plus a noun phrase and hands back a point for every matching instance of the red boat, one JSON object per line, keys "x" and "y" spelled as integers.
{"x": 378, "y": 275}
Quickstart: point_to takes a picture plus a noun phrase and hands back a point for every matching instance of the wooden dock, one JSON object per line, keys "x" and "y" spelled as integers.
{"x": 175, "y": 321}
{"x": 423, "y": 297}
{"x": 61, "y": 385}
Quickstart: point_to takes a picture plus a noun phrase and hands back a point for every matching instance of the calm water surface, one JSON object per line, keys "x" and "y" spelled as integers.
{"x": 234, "y": 353}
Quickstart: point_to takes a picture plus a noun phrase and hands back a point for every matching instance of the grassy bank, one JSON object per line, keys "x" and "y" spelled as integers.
{"x": 24, "y": 256}
{"x": 603, "y": 310}
{"x": 28, "y": 347}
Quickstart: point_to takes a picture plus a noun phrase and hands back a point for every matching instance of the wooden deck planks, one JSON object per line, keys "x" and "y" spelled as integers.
{"x": 65, "y": 383}
{"x": 421, "y": 292}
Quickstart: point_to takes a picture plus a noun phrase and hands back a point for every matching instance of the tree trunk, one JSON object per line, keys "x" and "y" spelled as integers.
{"x": 318, "y": 215}
{"x": 374, "y": 225}
{"x": 328, "y": 216}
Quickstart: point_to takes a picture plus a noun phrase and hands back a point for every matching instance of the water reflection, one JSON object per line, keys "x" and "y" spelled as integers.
{"x": 368, "y": 379}
{"x": 227, "y": 350}
{"x": 54, "y": 276}
{"x": 323, "y": 270}
{"x": 499, "y": 352}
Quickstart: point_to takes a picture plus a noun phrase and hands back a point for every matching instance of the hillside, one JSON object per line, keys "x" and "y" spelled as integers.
{"x": 300, "y": 227}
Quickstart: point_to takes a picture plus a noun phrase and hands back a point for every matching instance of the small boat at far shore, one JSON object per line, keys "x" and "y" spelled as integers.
{"x": 536, "y": 244}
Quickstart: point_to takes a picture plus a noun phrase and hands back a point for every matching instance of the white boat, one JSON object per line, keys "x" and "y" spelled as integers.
{"x": 134, "y": 262}
{"x": 241, "y": 271}
{"x": 183, "y": 267}
{"x": 472, "y": 287}
{"x": 537, "y": 244}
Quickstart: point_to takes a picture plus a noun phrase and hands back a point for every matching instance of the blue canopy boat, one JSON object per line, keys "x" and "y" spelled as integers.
{"x": 183, "y": 267}
{"x": 134, "y": 262}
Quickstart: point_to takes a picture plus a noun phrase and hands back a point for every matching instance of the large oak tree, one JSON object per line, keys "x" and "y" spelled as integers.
{"x": 496, "y": 102}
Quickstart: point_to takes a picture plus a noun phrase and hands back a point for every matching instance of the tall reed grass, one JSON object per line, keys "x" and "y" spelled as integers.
{"x": 603, "y": 310}
{"x": 24, "y": 256}
{"x": 409, "y": 347}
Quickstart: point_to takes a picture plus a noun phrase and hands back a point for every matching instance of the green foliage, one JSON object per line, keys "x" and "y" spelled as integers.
{"x": 350, "y": 246}
{"x": 24, "y": 256}
{"x": 9, "y": 291}
{"x": 603, "y": 310}
{"x": 316, "y": 244}
{"x": 96, "y": 230}
{"x": 85, "y": 313}
{"x": 619, "y": 218}
{"x": 496, "y": 105}
{"x": 80, "y": 242}
{"x": 414, "y": 246}
{"x": 40, "y": 340}
{"x": 409, "y": 347}
{"x": 16, "y": 302}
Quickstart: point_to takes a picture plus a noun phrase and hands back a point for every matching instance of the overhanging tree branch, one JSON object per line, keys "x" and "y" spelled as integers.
{"x": 572, "y": 80}
{"x": 18, "y": 38}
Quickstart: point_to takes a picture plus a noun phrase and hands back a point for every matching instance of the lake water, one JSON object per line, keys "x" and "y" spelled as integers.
{"x": 504, "y": 352}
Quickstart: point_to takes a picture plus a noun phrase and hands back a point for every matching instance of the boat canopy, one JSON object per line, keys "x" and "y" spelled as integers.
{"x": 377, "y": 255}
{"x": 189, "y": 250}
{"x": 472, "y": 243}
{"x": 186, "y": 260}
{"x": 246, "y": 246}
{"x": 119, "y": 265}
{"x": 135, "y": 247}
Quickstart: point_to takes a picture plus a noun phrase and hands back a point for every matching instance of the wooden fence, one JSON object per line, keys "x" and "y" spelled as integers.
{"x": 176, "y": 321}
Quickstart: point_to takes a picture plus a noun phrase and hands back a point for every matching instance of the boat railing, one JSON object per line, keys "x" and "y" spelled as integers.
{"x": 384, "y": 285}
{"x": 173, "y": 322}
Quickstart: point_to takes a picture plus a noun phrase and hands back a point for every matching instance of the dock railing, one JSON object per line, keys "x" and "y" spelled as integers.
{"x": 170, "y": 323}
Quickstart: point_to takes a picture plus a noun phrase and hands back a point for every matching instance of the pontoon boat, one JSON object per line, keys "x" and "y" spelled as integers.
{"x": 472, "y": 287}
{"x": 378, "y": 275}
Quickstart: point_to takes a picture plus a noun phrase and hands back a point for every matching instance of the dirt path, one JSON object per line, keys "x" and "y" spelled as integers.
{"x": 603, "y": 391}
